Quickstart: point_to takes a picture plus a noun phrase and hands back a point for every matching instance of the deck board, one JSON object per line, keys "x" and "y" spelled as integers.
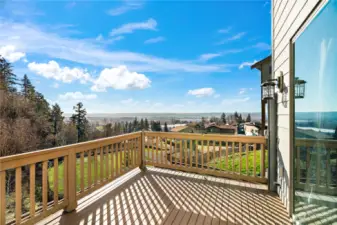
{"x": 161, "y": 196}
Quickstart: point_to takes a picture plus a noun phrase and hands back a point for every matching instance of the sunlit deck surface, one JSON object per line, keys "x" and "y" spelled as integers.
{"x": 161, "y": 196}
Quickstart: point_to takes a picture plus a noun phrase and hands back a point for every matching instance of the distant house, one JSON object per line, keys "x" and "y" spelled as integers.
{"x": 223, "y": 129}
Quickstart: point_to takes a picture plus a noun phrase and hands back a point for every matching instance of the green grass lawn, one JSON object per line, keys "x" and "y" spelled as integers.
{"x": 221, "y": 163}
{"x": 78, "y": 173}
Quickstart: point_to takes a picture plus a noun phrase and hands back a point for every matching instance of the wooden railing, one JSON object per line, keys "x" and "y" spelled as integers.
{"x": 237, "y": 157}
{"x": 315, "y": 161}
{"x": 37, "y": 184}
{"x": 65, "y": 174}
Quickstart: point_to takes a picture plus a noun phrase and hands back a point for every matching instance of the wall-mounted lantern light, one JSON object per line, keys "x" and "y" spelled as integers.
{"x": 268, "y": 89}
{"x": 280, "y": 81}
{"x": 299, "y": 88}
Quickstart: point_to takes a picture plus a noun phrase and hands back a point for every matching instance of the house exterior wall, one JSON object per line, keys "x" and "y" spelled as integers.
{"x": 287, "y": 18}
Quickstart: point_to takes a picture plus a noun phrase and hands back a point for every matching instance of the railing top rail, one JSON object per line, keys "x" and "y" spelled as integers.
{"x": 213, "y": 137}
{"x": 60, "y": 151}
{"x": 305, "y": 142}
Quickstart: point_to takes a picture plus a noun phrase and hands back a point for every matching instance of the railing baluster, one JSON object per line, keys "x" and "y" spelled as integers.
{"x": 107, "y": 162}
{"x": 82, "y": 171}
{"x": 112, "y": 161}
{"x": 196, "y": 154}
{"x": 240, "y": 157}
{"x": 101, "y": 164}
{"x": 157, "y": 159}
{"x": 227, "y": 166}
{"x": 162, "y": 152}
{"x": 18, "y": 195}
{"x": 32, "y": 190}
{"x": 89, "y": 169}
{"x": 191, "y": 154}
{"x": 56, "y": 181}
{"x": 247, "y": 159}
{"x": 185, "y": 152}
{"x": 44, "y": 185}
{"x": 65, "y": 177}
{"x": 207, "y": 161}
{"x": 220, "y": 155}
{"x": 171, "y": 151}
{"x": 233, "y": 156}
{"x": 254, "y": 149}
{"x": 117, "y": 159}
{"x": 2, "y": 197}
{"x": 213, "y": 154}
{"x": 121, "y": 158}
{"x": 181, "y": 153}
{"x": 202, "y": 154}
{"x": 71, "y": 181}
{"x": 308, "y": 171}
{"x": 95, "y": 167}
{"x": 262, "y": 161}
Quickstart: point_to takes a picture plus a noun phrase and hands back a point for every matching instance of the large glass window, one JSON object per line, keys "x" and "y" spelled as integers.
{"x": 315, "y": 122}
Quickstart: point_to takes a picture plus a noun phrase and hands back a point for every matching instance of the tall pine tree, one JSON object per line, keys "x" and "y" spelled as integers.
{"x": 166, "y": 128}
{"x": 223, "y": 118}
{"x": 8, "y": 79}
{"x": 80, "y": 121}
{"x": 248, "y": 119}
{"x": 57, "y": 124}
{"x": 27, "y": 89}
{"x": 146, "y": 124}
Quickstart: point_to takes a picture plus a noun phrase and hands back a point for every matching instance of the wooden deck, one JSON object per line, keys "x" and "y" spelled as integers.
{"x": 161, "y": 196}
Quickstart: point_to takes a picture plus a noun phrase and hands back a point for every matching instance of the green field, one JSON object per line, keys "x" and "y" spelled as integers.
{"x": 78, "y": 173}
{"x": 221, "y": 163}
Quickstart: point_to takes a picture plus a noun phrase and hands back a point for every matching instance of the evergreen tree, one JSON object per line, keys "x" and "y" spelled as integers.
{"x": 80, "y": 121}
{"x": 240, "y": 118}
{"x": 27, "y": 88}
{"x": 166, "y": 128}
{"x": 108, "y": 130}
{"x": 57, "y": 124}
{"x": 236, "y": 116}
{"x": 135, "y": 124}
{"x": 335, "y": 136}
{"x": 142, "y": 126}
{"x": 248, "y": 119}
{"x": 146, "y": 124}
{"x": 223, "y": 118}
{"x": 8, "y": 79}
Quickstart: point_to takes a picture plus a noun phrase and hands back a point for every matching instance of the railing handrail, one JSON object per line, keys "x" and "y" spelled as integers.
{"x": 65, "y": 148}
{"x": 216, "y": 137}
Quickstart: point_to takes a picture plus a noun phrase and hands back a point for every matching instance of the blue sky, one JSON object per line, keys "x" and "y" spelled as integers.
{"x": 151, "y": 56}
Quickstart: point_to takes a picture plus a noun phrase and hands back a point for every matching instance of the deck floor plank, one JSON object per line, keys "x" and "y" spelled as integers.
{"x": 162, "y": 196}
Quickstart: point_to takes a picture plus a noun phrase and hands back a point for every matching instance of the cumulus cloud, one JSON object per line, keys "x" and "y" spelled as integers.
{"x": 216, "y": 96}
{"x": 78, "y": 96}
{"x": 202, "y": 92}
{"x": 128, "y": 28}
{"x": 154, "y": 40}
{"x": 244, "y": 64}
{"x": 10, "y": 53}
{"x": 52, "y": 70}
{"x": 120, "y": 78}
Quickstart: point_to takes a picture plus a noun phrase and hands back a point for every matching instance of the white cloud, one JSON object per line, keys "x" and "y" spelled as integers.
{"x": 128, "y": 28}
{"x": 232, "y": 38}
{"x": 111, "y": 40}
{"x": 52, "y": 70}
{"x": 208, "y": 56}
{"x": 202, "y": 92}
{"x": 242, "y": 91}
{"x": 216, "y": 96}
{"x": 235, "y": 101}
{"x": 9, "y": 53}
{"x": 78, "y": 96}
{"x": 120, "y": 78}
{"x": 244, "y": 64}
{"x": 154, "y": 40}
{"x": 88, "y": 51}
{"x": 224, "y": 31}
{"x": 178, "y": 105}
{"x": 128, "y": 6}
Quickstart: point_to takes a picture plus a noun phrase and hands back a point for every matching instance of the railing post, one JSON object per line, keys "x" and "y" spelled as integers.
{"x": 2, "y": 197}
{"x": 142, "y": 165}
{"x": 71, "y": 188}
